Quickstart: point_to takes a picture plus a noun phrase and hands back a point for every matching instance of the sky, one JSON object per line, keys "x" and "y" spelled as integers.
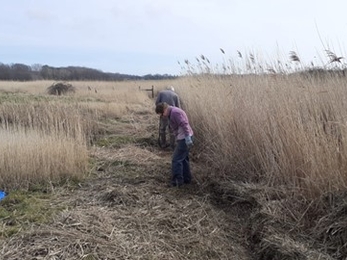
{"x": 141, "y": 37}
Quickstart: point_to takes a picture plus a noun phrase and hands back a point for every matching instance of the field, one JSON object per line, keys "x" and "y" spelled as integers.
{"x": 86, "y": 180}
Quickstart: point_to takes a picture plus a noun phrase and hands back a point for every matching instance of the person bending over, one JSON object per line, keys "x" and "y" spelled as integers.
{"x": 183, "y": 132}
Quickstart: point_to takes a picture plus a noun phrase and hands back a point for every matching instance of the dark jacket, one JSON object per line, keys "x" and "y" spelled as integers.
{"x": 169, "y": 97}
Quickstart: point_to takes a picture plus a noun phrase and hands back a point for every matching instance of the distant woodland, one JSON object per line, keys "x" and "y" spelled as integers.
{"x": 22, "y": 72}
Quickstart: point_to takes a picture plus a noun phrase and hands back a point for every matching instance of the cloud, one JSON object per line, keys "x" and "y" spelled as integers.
{"x": 160, "y": 28}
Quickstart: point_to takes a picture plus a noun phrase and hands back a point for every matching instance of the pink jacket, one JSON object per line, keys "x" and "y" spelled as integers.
{"x": 179, "y": 123}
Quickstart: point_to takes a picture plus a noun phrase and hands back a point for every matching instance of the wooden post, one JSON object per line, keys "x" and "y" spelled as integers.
{"x": 148, "y": 89}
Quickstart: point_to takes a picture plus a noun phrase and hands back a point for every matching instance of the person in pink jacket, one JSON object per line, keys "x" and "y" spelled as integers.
{"x": 179, "y": 123}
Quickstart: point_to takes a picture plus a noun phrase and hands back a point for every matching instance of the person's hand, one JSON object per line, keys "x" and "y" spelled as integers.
{"x": 189, "y": 141}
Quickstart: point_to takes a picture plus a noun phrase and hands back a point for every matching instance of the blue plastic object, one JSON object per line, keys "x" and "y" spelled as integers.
{"x": 2, "y": 194}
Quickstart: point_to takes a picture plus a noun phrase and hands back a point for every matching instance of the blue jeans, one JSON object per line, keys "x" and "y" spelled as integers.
{"x": 180, "y": 167}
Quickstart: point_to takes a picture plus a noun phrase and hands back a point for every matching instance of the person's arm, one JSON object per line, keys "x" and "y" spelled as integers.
{"x": 186, "y": 127}
{"x": 158, "y": 100}
{"x": 182, "y": 121}
{"x": 177, "y": 101}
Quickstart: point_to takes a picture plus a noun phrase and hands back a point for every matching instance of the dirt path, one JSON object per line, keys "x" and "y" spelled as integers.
{"x": 125, "y": 210}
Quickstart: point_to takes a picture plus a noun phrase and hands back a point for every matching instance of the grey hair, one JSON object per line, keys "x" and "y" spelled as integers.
{"x": 170, "y": 88}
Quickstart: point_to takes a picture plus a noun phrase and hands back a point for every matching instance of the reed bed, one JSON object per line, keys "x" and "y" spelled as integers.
{"x": 284, "y": 135}
{"x": 284, "y": 130}
{"x": 46, "y": 138}
{"x": 30, "y": 158}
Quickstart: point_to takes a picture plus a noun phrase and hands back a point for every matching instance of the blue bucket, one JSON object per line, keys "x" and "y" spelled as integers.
{"x": 2, "y": 194}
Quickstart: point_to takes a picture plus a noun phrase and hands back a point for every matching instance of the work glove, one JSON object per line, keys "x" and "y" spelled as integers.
{"x": 189, "y": 141}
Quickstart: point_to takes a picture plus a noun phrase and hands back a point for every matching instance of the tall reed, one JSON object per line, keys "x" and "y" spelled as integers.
{"x": 46, "y": 138}
{"x": 30, "y": 158}
{"x": 41, "y": 141}
{"x": 286, "y": 130}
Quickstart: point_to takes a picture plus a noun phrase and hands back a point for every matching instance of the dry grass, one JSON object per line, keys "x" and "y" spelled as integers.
{"x": 67, "y": 125}
{"x": 129, "y": 222}
{"x": 125, "y": 211}
{"x": 43, "y": 142}
{"x": 86, "y": 88}
{"x": 289, "y": 130}
{"x": 29, "y": 158}
{"x": 286, "y": 133}
{"x": 268, "y": 159}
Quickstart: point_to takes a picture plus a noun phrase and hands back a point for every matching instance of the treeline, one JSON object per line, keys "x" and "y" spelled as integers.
{"x": 22, "y": 72}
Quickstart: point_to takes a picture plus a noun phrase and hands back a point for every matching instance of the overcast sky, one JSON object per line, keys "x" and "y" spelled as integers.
{"x": 151, "y": 36}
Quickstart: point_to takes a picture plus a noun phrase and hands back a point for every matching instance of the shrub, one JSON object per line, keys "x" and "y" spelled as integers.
{"x": 60, "y": 88}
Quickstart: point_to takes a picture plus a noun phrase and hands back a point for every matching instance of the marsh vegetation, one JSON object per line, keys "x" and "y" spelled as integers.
{"x": 269, "y": 162}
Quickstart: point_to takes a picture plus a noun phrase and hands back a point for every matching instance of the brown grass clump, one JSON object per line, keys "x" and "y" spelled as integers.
{"x": 60, "y": 88}
{"x": 43, "y": 142}
{"x": 330, "y": 229}
{"x": 29, "y": 158}
{"x": 140, "y": 156}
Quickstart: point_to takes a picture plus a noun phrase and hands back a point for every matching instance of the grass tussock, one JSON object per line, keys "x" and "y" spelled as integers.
{"x": 60, "y": 88}
{"x": 29, "y": 158}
